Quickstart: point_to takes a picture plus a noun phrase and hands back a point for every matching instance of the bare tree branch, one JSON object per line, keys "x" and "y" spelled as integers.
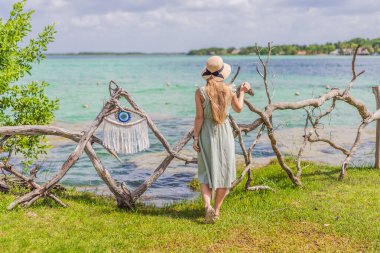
{"x": 126, "y": 197}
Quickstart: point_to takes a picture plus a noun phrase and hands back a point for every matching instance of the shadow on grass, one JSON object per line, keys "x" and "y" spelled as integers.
{"x": 331, "y": 174}
{"x": 186, "y": 209}
{"x": 85, "y": 197}
{"x": 190, "y": 212}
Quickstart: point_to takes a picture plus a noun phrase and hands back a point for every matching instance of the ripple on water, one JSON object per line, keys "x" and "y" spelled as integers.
{"x": 172, "y": 109}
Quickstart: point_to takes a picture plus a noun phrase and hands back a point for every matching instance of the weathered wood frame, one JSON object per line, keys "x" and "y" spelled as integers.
{"x": 126, "y": 198}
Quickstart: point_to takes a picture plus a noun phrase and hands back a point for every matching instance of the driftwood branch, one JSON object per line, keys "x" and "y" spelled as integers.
{"x": 4, "y": 187}
{"x": 264, "y": 66}
{"x": 121, "y": 198}
{"x": 156, "y": 132}
{"x": 259, "y": 187}
{"x": 32, "y": 196}
{"x": 3, "y": 140}
{"x": 121, "y": 193}
{"x": 30, "y": 182}
{"x": 240, "y": 178}
{"x": 237, "y": 131}
{"x": 50, "y": 130}
{"x": 241, "y": 141}
{"x": 334, "y": 94}
{"x": 126, "y": 197}
{"x": 354, "y": 75}
{"x": 246, "y": 128}
{"x": 162, "y": 167}
{"x": 352, "y": 150}
{"x": 302, "y": 148}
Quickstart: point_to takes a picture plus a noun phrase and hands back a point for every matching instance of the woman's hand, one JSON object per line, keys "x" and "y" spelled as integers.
{"x": 196, "y": 145}
{"x": 245, "y": 87}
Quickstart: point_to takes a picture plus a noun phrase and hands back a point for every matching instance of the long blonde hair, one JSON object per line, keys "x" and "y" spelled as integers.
{"x": 219, "y": 94}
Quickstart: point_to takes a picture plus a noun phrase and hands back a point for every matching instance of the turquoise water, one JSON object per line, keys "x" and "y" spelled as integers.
{"x": 164, "y": 87}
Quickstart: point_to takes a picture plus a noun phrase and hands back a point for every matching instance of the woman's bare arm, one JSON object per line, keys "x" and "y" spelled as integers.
{"x": 238, "y": 103}
{"x": 198, "y": 121}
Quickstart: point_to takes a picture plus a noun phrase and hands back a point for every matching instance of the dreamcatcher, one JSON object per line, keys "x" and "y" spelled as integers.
{"x": 126, "y": 132}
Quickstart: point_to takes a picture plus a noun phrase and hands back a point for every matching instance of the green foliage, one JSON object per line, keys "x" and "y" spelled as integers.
{"x": 211, "y": 50}
{"x": 23, "y": 104}
{"x": 372, "y": 46}
{"x": 194, "y": 184}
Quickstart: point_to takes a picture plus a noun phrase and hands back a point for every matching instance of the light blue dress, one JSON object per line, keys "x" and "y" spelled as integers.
{"x": 216, "y": 159}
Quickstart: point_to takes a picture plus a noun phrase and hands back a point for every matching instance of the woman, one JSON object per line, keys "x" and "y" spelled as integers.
{"x": 213, "y": 136}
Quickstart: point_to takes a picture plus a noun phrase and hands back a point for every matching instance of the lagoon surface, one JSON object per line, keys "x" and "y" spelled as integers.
{"x": 164, "y": 86}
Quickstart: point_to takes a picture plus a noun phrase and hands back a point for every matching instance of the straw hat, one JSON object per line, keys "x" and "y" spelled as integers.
{"x": 217, "y": 68}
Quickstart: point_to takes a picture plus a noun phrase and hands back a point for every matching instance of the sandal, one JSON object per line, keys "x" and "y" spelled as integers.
{"x": 209, "y": 216}
{"x": 216, "y": 217}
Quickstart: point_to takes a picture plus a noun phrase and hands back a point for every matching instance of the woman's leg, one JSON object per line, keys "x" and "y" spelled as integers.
{"x": 206, "y": 193}
{"x": 221, "y": 193}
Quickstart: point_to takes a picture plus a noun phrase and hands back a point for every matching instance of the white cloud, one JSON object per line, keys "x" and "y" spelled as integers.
{"x": 125, "y": 19}
{"x": 180, "y": 25}
{"x": 50, "y": 5}
{"x": 212, "y": 4}
{"x": 87, "y": 21}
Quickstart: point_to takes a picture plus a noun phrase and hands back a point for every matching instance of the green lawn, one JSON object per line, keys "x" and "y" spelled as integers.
{"x": 324, "y": 215}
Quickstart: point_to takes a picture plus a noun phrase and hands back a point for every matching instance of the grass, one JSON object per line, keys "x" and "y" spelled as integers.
{"x": 325, "y": 215}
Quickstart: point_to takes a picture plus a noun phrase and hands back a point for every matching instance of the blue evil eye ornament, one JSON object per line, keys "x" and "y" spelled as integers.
{"x": 125, "y": 132}
{"x": 123, "y": 116}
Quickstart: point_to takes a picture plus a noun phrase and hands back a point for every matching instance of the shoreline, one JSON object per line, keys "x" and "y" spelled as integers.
{"x": 142, "y": 164}
{"x": 193, "y": 55}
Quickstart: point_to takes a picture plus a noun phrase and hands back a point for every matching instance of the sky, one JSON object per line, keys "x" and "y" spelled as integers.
{"x": 181, "y": 25}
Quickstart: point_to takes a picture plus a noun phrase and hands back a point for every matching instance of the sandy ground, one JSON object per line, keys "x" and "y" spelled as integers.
{"x": 289, "y": 141}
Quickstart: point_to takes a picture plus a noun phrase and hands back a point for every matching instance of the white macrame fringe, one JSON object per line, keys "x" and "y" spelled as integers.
{"x": 126, "y": 138}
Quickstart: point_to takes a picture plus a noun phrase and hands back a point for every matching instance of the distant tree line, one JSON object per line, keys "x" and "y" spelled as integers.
{"x": 368, "y": 47}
